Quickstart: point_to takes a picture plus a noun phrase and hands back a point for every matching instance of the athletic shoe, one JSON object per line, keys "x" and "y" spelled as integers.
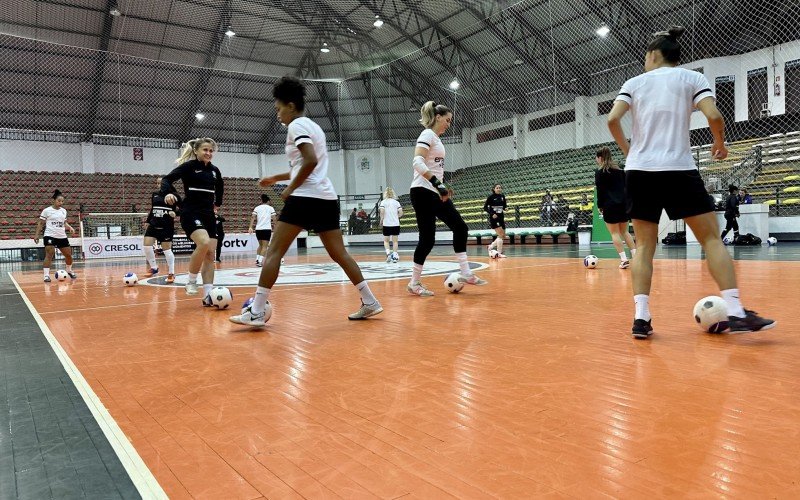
{"x": 388, "y": 258}
{"x": 472, "y": 279}
{"x": 170, "y": 278}
{"x": 217, "y": 261}
{"x": 367, "y": 311}
{"x": 625, "y": 264}
{"x": 153, "y": 271}
{"x": 751, "y": 322}
{"x": 72, "y": 275}
{"x": 418, "y": 288}
{"x": 489, "y": 249}
{"x": 501, "y": 256}
{"x": 282, "y": 260}
{"x": 249, "y": 318}
{"x": 47, "y": 279}
{"x": 258, "y": 264}
{"x": 641, "y": 328}
{"x": 207, "y": 301}
{"x": 191, "y": 288}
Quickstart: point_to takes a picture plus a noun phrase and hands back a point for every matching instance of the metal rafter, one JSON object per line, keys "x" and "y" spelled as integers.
{"x": 99, "y": 69}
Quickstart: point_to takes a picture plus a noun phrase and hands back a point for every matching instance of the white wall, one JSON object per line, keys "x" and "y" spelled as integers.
{"x": 41, "y": 156}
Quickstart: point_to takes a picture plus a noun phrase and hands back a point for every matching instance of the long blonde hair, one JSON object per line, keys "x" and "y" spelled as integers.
{"x": 606, "y": 160}
{"x": 189, "y": 148}
{"x": 430, "y": 110}
{"x": 389, "y": 193}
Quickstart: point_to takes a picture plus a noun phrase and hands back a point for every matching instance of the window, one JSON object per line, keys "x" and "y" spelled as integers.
{"x": 726, "y": 98}
{"x": 551, "y": 120}
{"x": 792, "y": 82}
{"x": 604, "y": 108}
{"x": 497, "y": 133}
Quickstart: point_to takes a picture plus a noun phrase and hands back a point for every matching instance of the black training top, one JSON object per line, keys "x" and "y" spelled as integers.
{"x": 610, "y": 187}
{"x": 159, "y": 211}
{"x": 495, "y": 204}
{"x": 202, "y": 185}
{"x": 732, "y": 206}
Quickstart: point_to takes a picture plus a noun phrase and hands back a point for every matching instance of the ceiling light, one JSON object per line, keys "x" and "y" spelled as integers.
{"x": 455, "y": 84}
{"x": 603, "y": 31}
{"x": 324, "y": 48}
{"x": 230, "y": 33}
{"x": 517, "y": 62}
{"x": 199, "y": 115}
{"x": 115, "y": 12}
{"x": 378, "y": 22}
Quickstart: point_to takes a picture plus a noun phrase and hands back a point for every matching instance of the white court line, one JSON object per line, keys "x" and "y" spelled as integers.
{"x": 142, "y": 478}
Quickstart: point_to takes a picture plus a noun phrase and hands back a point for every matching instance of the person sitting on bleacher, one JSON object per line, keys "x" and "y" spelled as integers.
{"x": 745, "y": 198}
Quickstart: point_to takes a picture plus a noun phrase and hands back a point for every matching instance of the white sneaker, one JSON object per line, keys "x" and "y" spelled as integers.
{"x": 191, "y": 288}
{"x": 251, "y": 319}
{"x": 625, "y": 264}
{"x": 489, "y": 249}
{"x": 472, "y": 279}
{"x": 389, "y": 258}
{"x": 417, "y": 288}
{"x": 501, "y": 256}
{"x": 367, "y": 311}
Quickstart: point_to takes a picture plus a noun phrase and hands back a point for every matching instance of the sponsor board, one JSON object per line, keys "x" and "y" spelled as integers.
{"x": 323, "y": 273}
{"x": 100, "y": 248}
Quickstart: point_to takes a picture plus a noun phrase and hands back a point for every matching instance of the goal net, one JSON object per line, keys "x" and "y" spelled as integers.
{"x": 112, "y": 225}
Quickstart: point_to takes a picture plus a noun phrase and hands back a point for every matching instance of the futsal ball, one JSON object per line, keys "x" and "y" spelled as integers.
{"x": 590, "y": 261}
{"x": 395, "y": 257}
{"x": 711, "y": 314}
{"x": 727, "y": 240}
{"x": 452, "y": 284}
{"x": 247, "y": 303}
{"x": 772, "y": 241}
{"x": 221, "y": 297}
{"x": 493, "y": 253}
{"x": 130, "y": 279}
{"x": 61, "y": 275}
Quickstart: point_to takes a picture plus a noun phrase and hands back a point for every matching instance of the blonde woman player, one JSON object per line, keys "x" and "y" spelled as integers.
{"x": 610, "y": 182}
{"x": 390, "y": 212}
{"x": 54, "y": 221}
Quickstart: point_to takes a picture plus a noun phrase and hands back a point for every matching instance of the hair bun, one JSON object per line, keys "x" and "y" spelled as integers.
{"x": 676, "y": 32}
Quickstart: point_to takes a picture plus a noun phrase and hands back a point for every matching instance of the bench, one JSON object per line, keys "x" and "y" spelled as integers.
{"x": 524, "y": 232}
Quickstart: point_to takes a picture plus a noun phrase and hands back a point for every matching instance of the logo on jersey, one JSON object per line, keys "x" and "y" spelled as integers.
{"x": 198, "y": 223}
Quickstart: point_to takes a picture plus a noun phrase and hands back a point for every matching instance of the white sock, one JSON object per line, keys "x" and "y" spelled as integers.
{"x": 499, "y": 244}
{"x": 192, "y": 277}
{"x": 642, "y": 307}
{"x": 69, "y": 268}
{"x": 622, "y": 256}
{"x": 633, "y": 252}
{"x": 732, "y": 301}
{"x": 493, "y": 244}
{"x": 150, "y": 255}
{"x": 463, "y": 264}
{"x": 260, "y": 300}
{"x": 366, "y": 294}
{"x": 416, "y": 273}
{"x": 46, "y": 271}
{"x": 207, "y": 288}
{"x": 170, "y": 261}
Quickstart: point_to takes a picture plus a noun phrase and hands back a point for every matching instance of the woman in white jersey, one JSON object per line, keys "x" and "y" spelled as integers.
{"x": 263, "y": 219}
{"x": 310, "y": 203}
{"x": 659, "y": 164}
{"x": 390, "y": 212}
{"x": 54, "y": 221}
{"x": 430, "y": 198}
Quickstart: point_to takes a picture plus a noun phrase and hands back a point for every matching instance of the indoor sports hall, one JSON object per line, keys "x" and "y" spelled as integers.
{"x": 116, "y": 383}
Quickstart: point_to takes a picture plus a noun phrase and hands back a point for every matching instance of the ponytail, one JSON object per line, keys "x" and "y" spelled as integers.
{"x": 666, "y": 42}
{"x": 56, "y": 194}
{"x": 430, "y": 110}
{"x": 606, "y": 160}
{"x": 189, "y": 148}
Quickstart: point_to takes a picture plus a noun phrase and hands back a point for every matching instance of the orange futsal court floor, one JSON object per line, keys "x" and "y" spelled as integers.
{"x": 530, "y": 387}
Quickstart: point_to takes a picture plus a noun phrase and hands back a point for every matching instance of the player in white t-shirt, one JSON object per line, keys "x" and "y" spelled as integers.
{"x": 390, "y": 212}
{"x": 310, "y": 203}
{"x": 54, "y": 221}
{"x": 264, "y": 219}
{"x": 430, "y": 198}
{"x": 659, "y": 164}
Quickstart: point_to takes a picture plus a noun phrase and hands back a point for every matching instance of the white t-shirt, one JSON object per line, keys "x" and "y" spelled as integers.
{"x": 55, "y": 222}
{"x": 263, "y": 215}
{"x": 661, "y": 104}
{"x": 434, "y": 159}
{"x": 317, "y": 185}
{"x": 391, "y": 212}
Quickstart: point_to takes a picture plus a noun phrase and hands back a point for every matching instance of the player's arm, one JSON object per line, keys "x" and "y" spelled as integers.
{"x": 219, "y": 189}
{"x": 382, "y": 212}
{"x": 253, "y": 219}
{"x": 309, "y": 164}
{"x": 708, "y": 106}
{"x": 615, "y": 125}
{"x": 70, "y": 228}
{"x": 38, "y": 233}
{"x": 424, "y": 171}
{"x": 400, "y": 212}
{"x": 167, "y": 181}
{"x": 273, "y": 179}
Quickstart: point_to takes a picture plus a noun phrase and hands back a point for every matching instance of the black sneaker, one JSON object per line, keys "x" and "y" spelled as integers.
{"x": 751, "y": 322}
{"x": 207, "y": 301}
{"x": 47, "y": 279}
{"x": 641, "y": 328}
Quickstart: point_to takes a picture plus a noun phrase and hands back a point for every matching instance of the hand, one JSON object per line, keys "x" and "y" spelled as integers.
{"x": 267, "y": 181}
{"x": 170, "y": 199}
{"x": 36, "y": 240}
{"x": 286, "y": 194}
{"x": 494, "y": 216}
{"x": 171, "y": 213}
{"x": 719, "y": 151}
{"x": 71, "y": 230}
{"x": 249, "y": 230}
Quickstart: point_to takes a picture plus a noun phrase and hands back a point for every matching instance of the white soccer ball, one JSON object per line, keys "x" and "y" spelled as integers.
{"x": 590, "y": 261}
{"x": 727, "y": 240}
{"x": 61, "y": 275}
{"x": 247, "y": 303}
{"x": 221, "y": 297}
{"x": 711, "y": 313}
{"x": 494, "y": 253}
{"x": 452, "y": 284}
{"x": 771, "y": 241}
{"x": 130, "y": 279}
{"x": 395, "y": 257}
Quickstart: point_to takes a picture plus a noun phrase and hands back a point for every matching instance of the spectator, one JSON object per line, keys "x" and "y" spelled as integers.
{"x": 351, "y": 222}
{"x": 548, "y": 208}
{"x": 731, "y": 213}
{"x": 220, "y": 233}
{"x": 745, "y": 198}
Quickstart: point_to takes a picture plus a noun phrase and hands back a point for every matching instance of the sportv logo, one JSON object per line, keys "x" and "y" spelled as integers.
{"x": 235, "y": 242}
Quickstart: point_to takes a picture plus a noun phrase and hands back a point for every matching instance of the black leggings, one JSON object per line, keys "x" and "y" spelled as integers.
{"x": 220, "y": 239}
{"x": 730, "y": 223}
{"x": 428, "y": 206}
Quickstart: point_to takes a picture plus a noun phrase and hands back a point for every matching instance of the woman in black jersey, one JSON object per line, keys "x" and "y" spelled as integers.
{"x": 160, "y": 226}
{"x": 496, "y": 206}
{"x": 203, "y": 187}
{"x": 220, "y": 233}
{"x": 610, "y": 182}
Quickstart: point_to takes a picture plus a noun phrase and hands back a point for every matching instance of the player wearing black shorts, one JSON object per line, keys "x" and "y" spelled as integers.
{"x": 203, "y": 189}
{"x": 609, "y": 180}
{"x": 495, "y": 207}
{"x": 54, "y": 222}
{"x": 160, "y": 227}
{"x": 660, "y": 163}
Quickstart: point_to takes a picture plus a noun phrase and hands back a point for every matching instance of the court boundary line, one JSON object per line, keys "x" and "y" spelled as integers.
{"x": 142, "y": 477}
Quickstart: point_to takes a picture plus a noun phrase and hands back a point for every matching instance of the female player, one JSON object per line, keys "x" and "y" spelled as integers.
{"x": 54, "y": 221}
{"x": 220, "y": 233}
{"x": 660, "y": 164}
{"x": 731, "y": 213}
{"x": 160, "y": 226}
{"x": 610, "y": 182}
{"x": 430, "y": 198}
{"x": 310, "y": 203}
{"x": 203, "y": 188}
{"x": 390, "y": 212}
{"x": 263, "y": 219}
{"x": 495, "y": 207}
